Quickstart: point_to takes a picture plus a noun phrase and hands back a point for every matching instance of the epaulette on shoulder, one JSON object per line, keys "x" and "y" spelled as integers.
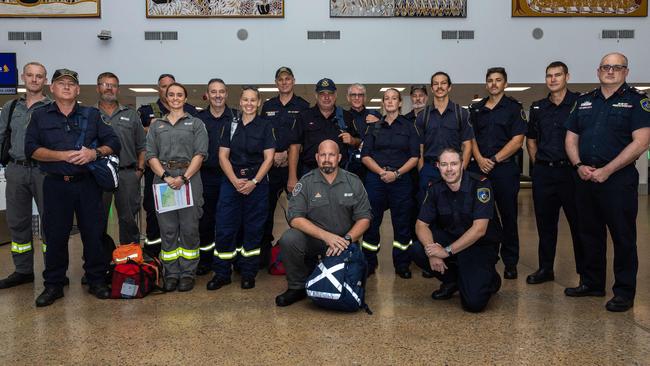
{"x": 592, "y": 91}
{"x": 478, "y": 104}
{"x": 638, "y": 91}
{"x": 477, "y": 177}
{"x": 512, "y": 99}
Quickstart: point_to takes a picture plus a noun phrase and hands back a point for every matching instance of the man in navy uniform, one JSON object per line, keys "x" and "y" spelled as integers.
{"x": 459, "y": 232}
{"x": 419, "y": 96}
{"x": 499, "y": 123}
{"x": 361, "y": 117}
{"x": 149, "y": 112}
{"x": 608, "y": 129}
{"x": 324, "y": 121}
{"x": 282, "y": 111}
{"x": 69, "y": 188}
{"x": 553, "y": 176}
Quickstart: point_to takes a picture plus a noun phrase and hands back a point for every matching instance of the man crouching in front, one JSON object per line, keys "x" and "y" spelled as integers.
{"x": 459, "y": 232}
{"x": 328, "y": 211}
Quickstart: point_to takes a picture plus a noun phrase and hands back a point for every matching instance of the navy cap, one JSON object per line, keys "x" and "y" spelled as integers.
{"x": 325, "y": 85}
{"x": 65, "y": 72}
{"x": 283, "y": 69}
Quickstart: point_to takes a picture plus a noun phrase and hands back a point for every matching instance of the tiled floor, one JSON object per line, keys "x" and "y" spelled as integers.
{"x": 523, "y": 324}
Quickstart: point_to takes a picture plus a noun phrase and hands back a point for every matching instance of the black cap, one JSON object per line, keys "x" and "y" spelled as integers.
{"x": 283, "y": 69}
{"x": 419, "y": 87}
{"x": 58, "y": 74}
{"x": 325, "y": 85}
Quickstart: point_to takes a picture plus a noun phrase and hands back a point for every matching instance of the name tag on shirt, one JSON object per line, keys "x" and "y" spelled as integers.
{"x": 622, "y": 105}
{"x": 188, "y": 123}
{"x": 125, "y": 118}
{"x": 271, "y": 113}
{"x": 348, "y": 194}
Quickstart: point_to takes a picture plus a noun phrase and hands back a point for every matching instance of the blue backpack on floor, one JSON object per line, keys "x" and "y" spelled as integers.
{"x": 338, "y": 282}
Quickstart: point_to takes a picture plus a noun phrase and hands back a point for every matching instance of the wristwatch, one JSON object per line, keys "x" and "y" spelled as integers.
{"x": 448, "y": 250}
{"x": 254, "y": 180}
{"x": 397, "y": 174}
{"x": 348, "y": 238}
{"x": 185, "y": 179}
{"x": 493, "y": 158}
{"x": 578, "y": 165}
{"x": 165, "y": 175}
{"x": 141, "y": 170}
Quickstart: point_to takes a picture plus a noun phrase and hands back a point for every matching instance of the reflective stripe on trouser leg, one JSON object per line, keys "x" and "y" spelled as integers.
{"x": 400, "y": 203}
{"x": 188, "y": 220}
{"x": 229, "y": 215}
{"x": 370, "y": 247}
{"x": 148, "y": 241}
{"x": 21, "y": 248}
{"x": 207, "y": 248}
{"x": 256, "y": 209}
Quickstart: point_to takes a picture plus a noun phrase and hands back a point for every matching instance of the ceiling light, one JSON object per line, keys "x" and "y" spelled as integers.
{"x": 144, "y": 90}
{"x": 464, "y": 106}
{"x": 517, "y": 88}
{"x": 390, "y": 87}
{"x": 21, "y": 90}
{"x": 79, "y": 101}
{"x": 375, "y": 100}
{"x": 477, "y": 99}
{"x": 268, "y": 90}
{"x": 373, "y": 107}
{"x": 638, "y": 87}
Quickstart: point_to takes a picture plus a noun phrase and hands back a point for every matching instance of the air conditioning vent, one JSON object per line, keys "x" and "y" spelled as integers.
{"x": 24, "y": 36}
{"x": 626, "y": 33}
{"x": 324, "y": 35}
{"x": 609, "y": 34}
{"x": 465, "y": 34}
{"x": 617, "y": 34}
{"x": 448, "y": 34}
{"x": 160, "y": 36}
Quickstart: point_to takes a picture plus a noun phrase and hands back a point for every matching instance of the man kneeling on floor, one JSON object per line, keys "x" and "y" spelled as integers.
{"x": 328, "y": 211}
{"x": 459, "y": 232}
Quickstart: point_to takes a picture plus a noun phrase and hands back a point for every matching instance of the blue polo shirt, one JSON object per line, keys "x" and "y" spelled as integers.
{"x": 248, "y": 142}
{"x": 546, "y": 126}
{"x": 443, "y": 130}
{"x": 450, "y": 214}
{"x": 605, "y": 126}
{"x": 147, "y": 113}
{"x": 51, "y": 129}
{"x": 494, "y": 128}
{"x": 311, "y": 128}
{"x": 282, "y": 117}
{"x": 210, "y": 169}
{"x": 391, "y": 145}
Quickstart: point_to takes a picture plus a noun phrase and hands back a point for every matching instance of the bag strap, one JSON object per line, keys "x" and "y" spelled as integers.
{"x": 458, "y": 116}
{"x": 340, "y": 120}
{"x": 156, "y": 109}
{"x": 427, "y": 116}
{"x": 12, "y": 107}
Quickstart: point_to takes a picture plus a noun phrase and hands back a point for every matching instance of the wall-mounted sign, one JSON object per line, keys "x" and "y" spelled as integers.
{"x": 50, "y": 8}
{"x": 8, "y": 74}
{"x": 579, "y": 8}
{"x": 215, "y": 9}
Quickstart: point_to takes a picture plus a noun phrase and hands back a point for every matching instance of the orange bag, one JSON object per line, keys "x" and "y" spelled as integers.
{"x": 128, "y": 252}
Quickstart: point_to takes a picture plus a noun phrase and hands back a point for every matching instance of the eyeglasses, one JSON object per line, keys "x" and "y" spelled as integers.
{"x": 616, "y": 68}
{"x": 108, "y": 85}
{"x": 356, "y": 95}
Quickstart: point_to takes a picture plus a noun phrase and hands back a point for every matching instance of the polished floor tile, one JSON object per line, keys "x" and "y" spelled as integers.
{"x": 523, "y": 324}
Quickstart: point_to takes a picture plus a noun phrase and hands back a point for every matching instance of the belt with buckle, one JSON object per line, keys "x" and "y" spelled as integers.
{"x": 25, "y": 163}
{"x": 245, "y": 172}
{"x": 68, "y": 178}
{"x": 175, "y": 164}
{"x": 557, "y": 163}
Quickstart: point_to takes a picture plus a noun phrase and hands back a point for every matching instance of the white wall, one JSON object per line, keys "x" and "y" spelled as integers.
{"x": 371, "y": 50}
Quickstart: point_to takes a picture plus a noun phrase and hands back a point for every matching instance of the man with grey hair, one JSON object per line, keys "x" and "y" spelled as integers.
{"x": 607, "y": 130}
{"x": 24, "y": 179}
{"x": 361, "y": 117}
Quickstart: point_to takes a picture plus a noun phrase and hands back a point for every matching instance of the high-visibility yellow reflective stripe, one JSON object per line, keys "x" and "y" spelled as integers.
{"x": 21, "y": 248}
{"x": 249, "y": 253}
{"x": 400, "y": 246}
{"x": 208, "y": 247}
{"x": 225, "y": 255}
{"x": 44, "y": 247}
{"x": 178, "y": 253}
{"x": 152, "y": 242}
{"x": 370, "y": 247}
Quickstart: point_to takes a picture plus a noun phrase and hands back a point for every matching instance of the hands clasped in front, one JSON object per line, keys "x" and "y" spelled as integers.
{"x": 436, "y": 254}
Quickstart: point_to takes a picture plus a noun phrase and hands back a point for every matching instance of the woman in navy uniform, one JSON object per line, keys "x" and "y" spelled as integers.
{"x": 177, "y": 144}
{"x": 245, "y": 155}
{"x": 390, "y": 151}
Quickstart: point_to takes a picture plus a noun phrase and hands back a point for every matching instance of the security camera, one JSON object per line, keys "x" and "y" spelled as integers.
{"x": 104, "y": 35}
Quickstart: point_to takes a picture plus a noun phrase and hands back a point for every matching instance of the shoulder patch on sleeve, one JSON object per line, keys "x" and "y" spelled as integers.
{"x": 483, "y": 194}
{"x": 296, "y": 189}
{"x": 523, "y": 115}
{"x": 645, "y": 104}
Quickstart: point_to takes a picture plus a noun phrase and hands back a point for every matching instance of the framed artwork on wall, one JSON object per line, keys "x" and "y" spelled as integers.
{"x": 215, "y": 8}
{"x": 398, "y": 8}
{"x": 579, "y": 8}
{"x": 50, "y": 8}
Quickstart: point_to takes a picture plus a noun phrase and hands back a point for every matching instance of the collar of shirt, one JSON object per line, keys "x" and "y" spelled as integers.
{"x": 206, "y": 113}
{"x": 120, "y": 107}
{"x": 275, "y": 101}
{"x": 620, "y": 91}
{"x": 44, "y": 100}
{"x": 465, "y": 184}
{"x": 362, "y": 113}
{"x": 569, "y": 98}
{"x": 54, "y": 107}
{"x": 166, "y": 117}
{"x": 316, "y": 111}
{"x": 321, "y": 178}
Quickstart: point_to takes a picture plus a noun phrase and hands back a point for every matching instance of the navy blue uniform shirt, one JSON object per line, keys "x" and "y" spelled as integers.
{"x": 546, "y": 126}
{"x": 443, "y": 130}
{"x": 411, "y": 116}
{"x": 147, "y": 113}
{"x": 311, "y": 128}
{"x": 495, "y": 127}
{"x": 451, "y": 214}
{"x": 248, "y": 142}
{"x": 359, "y": 120}
{"x": 282, "y": 117}
{"x": 51, "y": 129}
{"x": 391, "y": 145}
{"x": 215, "y": 127}
{"x": 605, "y": 126}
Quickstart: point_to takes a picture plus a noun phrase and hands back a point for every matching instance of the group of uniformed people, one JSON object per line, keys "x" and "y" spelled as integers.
{"x": 449, "y": 176}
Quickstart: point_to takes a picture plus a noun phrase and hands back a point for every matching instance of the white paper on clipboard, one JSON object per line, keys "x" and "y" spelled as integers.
{"x": 168, "y": 199}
